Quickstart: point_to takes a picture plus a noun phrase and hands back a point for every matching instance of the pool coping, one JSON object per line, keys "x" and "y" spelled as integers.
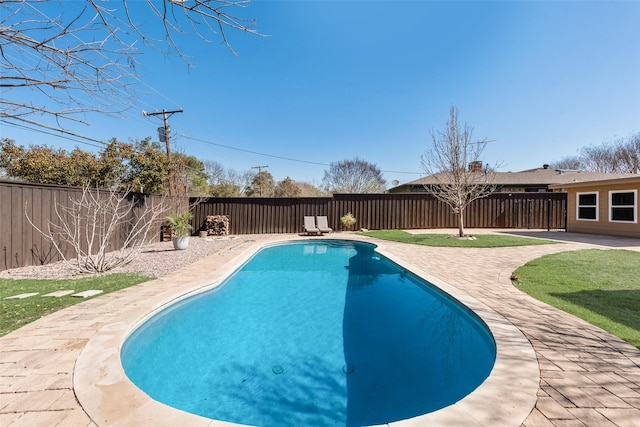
{"x": 108, "y": 397}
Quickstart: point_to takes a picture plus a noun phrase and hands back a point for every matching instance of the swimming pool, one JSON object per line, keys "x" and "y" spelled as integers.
{"x": 312, "y": 333}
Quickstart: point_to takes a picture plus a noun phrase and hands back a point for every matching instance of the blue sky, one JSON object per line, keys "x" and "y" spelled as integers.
{"x": 338, "y": 79}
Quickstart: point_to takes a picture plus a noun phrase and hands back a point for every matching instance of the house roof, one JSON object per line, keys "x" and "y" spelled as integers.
{"x": 540, "y": 176}
{"x": 634, "y": 179}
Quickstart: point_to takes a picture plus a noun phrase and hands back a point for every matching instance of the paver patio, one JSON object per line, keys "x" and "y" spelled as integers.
{"x": 587, "y": 376}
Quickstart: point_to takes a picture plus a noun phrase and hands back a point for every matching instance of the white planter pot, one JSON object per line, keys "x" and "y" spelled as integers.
{"x": 180, "y": 243}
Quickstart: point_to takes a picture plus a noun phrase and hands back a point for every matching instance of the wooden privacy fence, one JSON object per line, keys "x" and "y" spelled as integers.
{"x": 385, "y": 211}
{"x": 22, "y": 245}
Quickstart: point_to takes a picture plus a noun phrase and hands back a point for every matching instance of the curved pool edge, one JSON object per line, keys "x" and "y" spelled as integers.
{"x": 106, "y": 394}
{"x": 509, "y": 394}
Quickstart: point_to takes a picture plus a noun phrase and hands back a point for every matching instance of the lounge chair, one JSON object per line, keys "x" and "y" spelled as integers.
{"x": 323, "y": 224}
{"x": 310, "y": 225}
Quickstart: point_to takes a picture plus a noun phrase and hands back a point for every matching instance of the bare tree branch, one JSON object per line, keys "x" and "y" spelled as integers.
{"x": 84, "y": 59}
{"x": 90, "y": 224}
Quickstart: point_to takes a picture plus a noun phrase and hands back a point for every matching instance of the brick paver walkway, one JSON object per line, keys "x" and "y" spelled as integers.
{"x": 588, "y": 377}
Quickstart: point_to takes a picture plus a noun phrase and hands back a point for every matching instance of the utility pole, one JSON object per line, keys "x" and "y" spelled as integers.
{"x": 260, "y": 176}
{"x": 163, "y": 132}
{"x": 164, "y": 136}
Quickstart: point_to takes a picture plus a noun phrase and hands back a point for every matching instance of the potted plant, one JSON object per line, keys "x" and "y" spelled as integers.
{"x": 180, "y": 229}
{"x": 348, "y": 220}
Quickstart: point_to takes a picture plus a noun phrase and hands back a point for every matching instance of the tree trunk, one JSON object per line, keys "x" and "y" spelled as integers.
{"x": 460, "y": 223}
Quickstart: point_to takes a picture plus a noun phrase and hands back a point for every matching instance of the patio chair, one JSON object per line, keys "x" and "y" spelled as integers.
{"x": 323, "y": 224}
{"x": 310, "y": 225}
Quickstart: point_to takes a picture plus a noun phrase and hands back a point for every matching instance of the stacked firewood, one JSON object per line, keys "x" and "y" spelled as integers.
{"x": 217, "y": 225}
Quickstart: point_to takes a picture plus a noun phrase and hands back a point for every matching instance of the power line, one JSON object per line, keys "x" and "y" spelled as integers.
{"x": 115, "y": 96}
{"x": 253, "y": 152}
{"x": 42, "y": 125}
{"x": 15, "y": 125}
{"x": 137, "y": 79}
{"x": 280, "y": 157}
{"x": 76, "y": 135}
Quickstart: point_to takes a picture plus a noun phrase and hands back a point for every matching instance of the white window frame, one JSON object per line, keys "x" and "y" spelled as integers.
{"x": 597, "y": 206}
{"x": 634, "y": 206}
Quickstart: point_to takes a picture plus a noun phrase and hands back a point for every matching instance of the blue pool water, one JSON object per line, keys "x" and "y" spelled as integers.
{"x": 315, "y": 333}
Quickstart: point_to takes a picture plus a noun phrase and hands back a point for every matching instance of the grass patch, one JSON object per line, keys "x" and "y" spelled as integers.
{"x": 481, "y": 241}
{"x": 18, "y": 312}
{"x": 599, "y": 286}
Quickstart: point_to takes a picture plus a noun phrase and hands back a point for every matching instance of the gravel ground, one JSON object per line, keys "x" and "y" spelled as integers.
{"x": 156, "y": 260}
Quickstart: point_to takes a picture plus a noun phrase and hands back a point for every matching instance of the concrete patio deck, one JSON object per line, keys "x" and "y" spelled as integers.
{"x": 586, "y": 376}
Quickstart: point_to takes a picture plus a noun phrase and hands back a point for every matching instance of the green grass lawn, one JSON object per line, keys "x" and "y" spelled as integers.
{"x": 482, "y": 240}
{"x": 599, "y": 286}
{"x": 18, "y": 312}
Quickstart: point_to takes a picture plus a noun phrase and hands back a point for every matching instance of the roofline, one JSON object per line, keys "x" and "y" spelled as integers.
{"x": 625, "y": 180}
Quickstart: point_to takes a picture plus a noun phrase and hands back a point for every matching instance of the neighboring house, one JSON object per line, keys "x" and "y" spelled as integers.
{"x": 533, "y": 180}
{"x": 603, "y": 207}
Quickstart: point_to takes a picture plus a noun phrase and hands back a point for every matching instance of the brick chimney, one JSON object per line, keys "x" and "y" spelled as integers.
{"x": 475, "y": 166}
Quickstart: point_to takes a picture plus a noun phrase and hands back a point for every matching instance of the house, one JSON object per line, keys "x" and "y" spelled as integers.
{"x": 603, "y": 207}
{"x": 537, "y": 180}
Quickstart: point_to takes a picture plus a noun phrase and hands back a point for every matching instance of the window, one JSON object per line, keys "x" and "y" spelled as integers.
{"x": 623, "y": 206}
{"x": 587, "y": 206}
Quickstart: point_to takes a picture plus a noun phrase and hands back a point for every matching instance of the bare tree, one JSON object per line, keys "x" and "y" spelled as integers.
{"x": 630, "y": 154}
{"x": 600, "y": 158}
{"x": 353, "y": 176}
{"x": 86, "y": 50}
{"x": 91, "y": 223}
{"x": 619, "y": 156}
{"x": 226, "y": 183}
{"x": 215, "y": 172}
{"x": 456, "y": 174}
{"x": 568, "y": 163}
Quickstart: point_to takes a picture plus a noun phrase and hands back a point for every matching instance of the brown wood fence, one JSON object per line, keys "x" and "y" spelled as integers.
{"x": 21, "y": 245}
{"x": 385, "y": 211}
